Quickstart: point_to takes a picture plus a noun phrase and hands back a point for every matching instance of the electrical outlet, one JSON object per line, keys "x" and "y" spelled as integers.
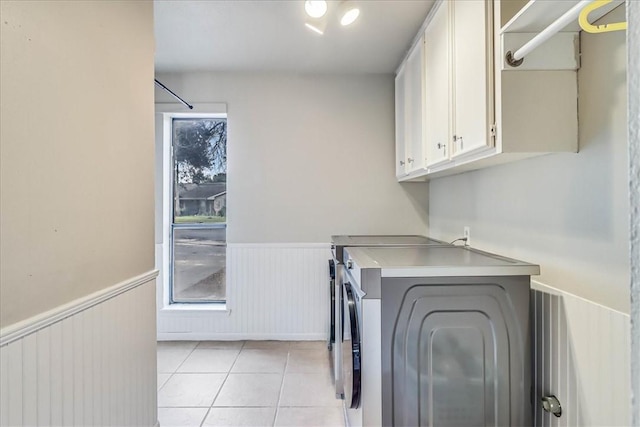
{"x": 467, "y": 234}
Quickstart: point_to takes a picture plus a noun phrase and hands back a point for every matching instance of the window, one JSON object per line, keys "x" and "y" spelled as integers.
{"x": 199, "y": 209}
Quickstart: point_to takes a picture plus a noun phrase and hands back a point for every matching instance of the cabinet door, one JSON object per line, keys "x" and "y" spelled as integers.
{"x": 471, "y": 22}
{"x": 415, "y": 105}
{"x": 437, "y": 86}
{"x": 401, "y": 120}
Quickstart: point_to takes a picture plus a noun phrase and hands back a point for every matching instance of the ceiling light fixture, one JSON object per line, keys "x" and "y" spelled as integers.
{"x": 349, "y": 12}
{"x": 315, "y": 8}
{"x": 318, "y": 14}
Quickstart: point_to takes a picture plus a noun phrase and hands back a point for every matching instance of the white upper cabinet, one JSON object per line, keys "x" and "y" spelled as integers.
{"x": 471, "y": 66}
{"x": 401, "y": 120}
{"x": 437, "y": 87}
{"x": 415, "y": 95}
{"x": 409, "y": 113}
{"x": 460, "y": 109}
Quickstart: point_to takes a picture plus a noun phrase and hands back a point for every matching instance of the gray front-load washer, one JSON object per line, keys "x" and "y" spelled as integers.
{"x": 453, "y": 340}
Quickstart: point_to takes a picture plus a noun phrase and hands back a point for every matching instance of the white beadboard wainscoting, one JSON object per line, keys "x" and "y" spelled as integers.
{"x": 581, "y": 355}
{"x": 274, "y": 291}
{"x": 89, "y": 362}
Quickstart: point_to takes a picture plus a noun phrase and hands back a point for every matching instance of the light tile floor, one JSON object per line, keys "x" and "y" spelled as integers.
{"x": 252, "y": 383}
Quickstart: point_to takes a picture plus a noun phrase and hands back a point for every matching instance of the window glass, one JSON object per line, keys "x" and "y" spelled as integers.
{"x": 199, "y": 261}
{"x": 199, "y": 210}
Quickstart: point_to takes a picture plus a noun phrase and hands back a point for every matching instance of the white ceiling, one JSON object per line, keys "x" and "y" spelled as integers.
{"x": 268, "y": 35}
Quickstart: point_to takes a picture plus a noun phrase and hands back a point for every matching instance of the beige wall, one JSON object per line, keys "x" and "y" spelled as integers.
{"x": 567, "y": 212}
{"x": 76, "y": 150}
{"x": 309, "y": 155}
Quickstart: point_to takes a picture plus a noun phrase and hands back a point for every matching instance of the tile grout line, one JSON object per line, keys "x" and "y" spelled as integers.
{"x": 286, "y": 365}
{"x": 221, "y": 385}
{"x": 171, "y": 374}
{"x": 166, "y": 381}
{"x": 185, "y": 359}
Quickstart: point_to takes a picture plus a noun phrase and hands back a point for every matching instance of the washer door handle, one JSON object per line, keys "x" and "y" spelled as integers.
{"x": 355, "y": 346}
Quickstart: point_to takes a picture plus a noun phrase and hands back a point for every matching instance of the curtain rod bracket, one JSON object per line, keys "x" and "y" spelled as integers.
{"x": 512, "y": 61}
{"x": 173, "y": 94}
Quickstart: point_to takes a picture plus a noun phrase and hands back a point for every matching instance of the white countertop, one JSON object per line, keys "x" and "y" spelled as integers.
{"x": 382, "y": 240}
{"x": 436, "y": 261}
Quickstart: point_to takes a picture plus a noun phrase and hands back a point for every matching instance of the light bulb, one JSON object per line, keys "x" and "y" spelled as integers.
{"x": 349, "y": 16}
{"x": 315, "y": 8}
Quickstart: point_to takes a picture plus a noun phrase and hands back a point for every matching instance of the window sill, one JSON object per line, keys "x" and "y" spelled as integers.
{"x": 196, "y": 308}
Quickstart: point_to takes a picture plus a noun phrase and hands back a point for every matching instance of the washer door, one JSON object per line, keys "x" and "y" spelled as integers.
{"x": 350, "y": 348}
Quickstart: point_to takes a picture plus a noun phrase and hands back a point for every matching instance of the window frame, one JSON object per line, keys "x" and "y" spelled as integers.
{"x": 186, "y": 226}
{"x": 165, "y": 115}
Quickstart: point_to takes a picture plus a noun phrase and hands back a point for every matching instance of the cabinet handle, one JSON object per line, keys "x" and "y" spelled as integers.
{"x": 410, "y": 160}
{"x": 439, "y": 145}
{"x": 457, "y": 138}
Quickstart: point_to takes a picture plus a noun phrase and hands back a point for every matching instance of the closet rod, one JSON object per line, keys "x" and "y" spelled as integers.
{"x": 515, "y": 59}
{"x": 174, "y": 95}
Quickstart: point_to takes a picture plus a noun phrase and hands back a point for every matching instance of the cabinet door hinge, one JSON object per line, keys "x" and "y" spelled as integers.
{"x": 493, "y": 131}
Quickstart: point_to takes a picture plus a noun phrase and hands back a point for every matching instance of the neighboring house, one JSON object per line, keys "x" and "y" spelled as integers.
{"x": 202, "y": 199}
